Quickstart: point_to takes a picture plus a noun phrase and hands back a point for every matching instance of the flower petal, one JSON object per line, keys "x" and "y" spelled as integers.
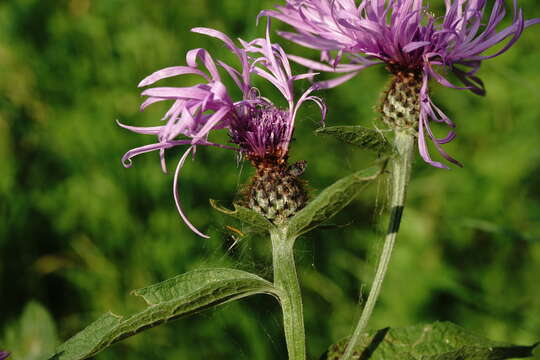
{"x": 176, "y": 194}
{"x": 169, "y": 72}
{"x": 176, "y": 93}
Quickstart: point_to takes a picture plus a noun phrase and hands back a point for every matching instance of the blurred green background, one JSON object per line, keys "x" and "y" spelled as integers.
{"x": 78, "y": 231}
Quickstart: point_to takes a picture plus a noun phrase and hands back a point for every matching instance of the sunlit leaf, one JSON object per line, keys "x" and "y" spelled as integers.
{"x": 245, "y": 215}
{"x": 331, "y": 200}
{"x": 365, "y": 138}
{"x": 437, "y": 341}
{"x": 182, "y": 295}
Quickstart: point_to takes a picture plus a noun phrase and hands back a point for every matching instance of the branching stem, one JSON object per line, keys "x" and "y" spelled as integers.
{"x": 401, "y": 173}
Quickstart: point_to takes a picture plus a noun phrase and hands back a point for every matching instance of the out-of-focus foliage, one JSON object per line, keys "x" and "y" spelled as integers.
{"x": 33, "y": 336}
{"x": 78, "y": 231}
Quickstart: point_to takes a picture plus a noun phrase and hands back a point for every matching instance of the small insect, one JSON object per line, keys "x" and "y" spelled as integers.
{"x": 235, "y": 235}
{"x": 298, "y": 168}
{"x": 235, "y": 230}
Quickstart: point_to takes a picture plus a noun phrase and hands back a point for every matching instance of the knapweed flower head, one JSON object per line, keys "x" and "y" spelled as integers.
{"x": 3, "y": 355}
{"x": 415, "y": 44}
{"x": 260, "y": 130}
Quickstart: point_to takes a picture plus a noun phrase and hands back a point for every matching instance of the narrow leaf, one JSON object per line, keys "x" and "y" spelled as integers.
{"x": 182, "y": 295}
{"x": 84, "y": 343}
{"x": 331, "y": 200}
{"x": 437, "y": 341}
{"x": 245, "y": 215}
{"x": 369, "y": 139}
{"x": 195, "y": 281}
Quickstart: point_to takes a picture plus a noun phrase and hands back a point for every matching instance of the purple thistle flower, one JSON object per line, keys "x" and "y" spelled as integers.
{"x": 260, "y": 130}
{"x": 265, "y": 136}
{"x": 4, "y": 355}
{"x": 409, "y": 39}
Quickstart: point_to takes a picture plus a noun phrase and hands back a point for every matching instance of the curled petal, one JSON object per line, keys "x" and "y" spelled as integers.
{"x": 451, "y": 136}
{"x": 429, "y": 112}
{"x": 219, "y": 35}
{"x": 177, "y": 195}
{"x": 474, "y": 83}
{"x": 126, "y": 159}
{"x": 443, "y": 81}
{"x": 439, "y": 147}
{"x": 422, "y": 147}
{"x": 306, "y": 97}
{"x": 207, "y": 106}
{"x": 193, "y": 55}
{"x": 404, "y": 34}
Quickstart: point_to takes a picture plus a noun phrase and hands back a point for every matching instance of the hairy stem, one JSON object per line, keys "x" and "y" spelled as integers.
{"x": 401, "y": 173}
{"x": 286, "y": 281}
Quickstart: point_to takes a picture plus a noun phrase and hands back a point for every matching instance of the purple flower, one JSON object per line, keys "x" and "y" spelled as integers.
{"x": 260, "y": 130}
{"x": 408, "y": 38}
{"x": 4, "y": 355}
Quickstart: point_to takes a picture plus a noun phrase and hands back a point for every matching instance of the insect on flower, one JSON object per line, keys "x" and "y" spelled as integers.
{"x": 260, "y": 130}
{"x": 414, "y": 44}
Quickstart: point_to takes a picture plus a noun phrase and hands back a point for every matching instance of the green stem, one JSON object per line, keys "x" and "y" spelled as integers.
{"x": 286, "y": 281}
{"x": 401, "y": 174}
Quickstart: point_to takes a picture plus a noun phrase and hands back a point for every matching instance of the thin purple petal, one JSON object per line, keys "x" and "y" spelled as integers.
{"x": 404, "y": 34}
{"x": 169, "y": 72}
{"x": 258, "y": 127}
{"x": 177, "y": 195}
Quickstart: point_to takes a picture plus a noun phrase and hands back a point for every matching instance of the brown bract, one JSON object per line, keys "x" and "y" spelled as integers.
{"x": 276, "y": 190}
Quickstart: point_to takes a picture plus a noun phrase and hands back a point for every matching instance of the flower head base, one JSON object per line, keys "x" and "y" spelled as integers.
{"x": 400, "y": 105}
{"x": 259, "y": 129}
{"x": 276, "y": 191}
{"x": 405, "y": 35}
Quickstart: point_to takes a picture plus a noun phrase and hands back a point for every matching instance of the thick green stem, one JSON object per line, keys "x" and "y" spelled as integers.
{"x": 286, "y": 281}
{"x": 401, "y": 174}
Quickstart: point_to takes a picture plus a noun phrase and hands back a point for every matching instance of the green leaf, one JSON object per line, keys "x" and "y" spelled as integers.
{"x": 33, "y": 336}
{"x": 245, "y": 215}
{"x": 437, "y": 341}
{"x": 331, "y": 200}
{"x": 88, "y": 341}
{"x": 182, "y": 295}
{"x": 368, "y": 139}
